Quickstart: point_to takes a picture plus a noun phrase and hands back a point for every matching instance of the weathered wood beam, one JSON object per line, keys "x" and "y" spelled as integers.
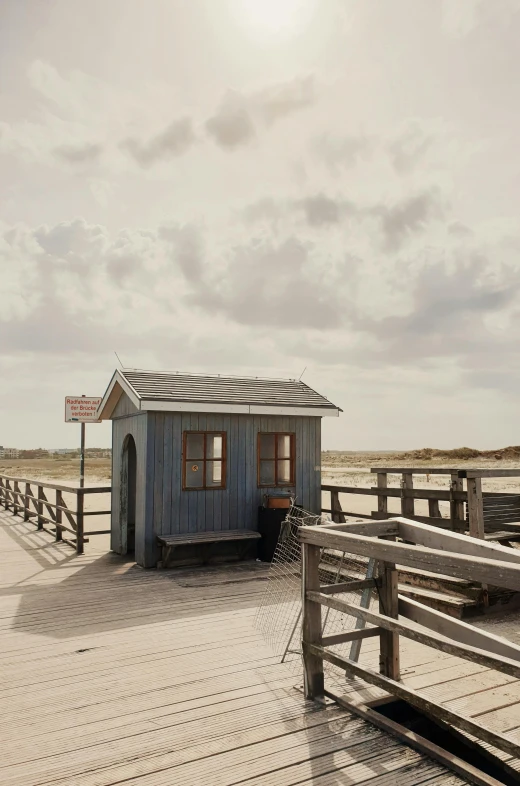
{"x": 351, "y": 635}
{"x": 415, "y": 470}
{"x": 407, "y": 492}
{"x": 489, "y": 473}
{"x": 415, "y": 741}
{"x": 456, "y": 629}
{"x": 454, "y": 542}
{"x": 439, "y": 523}
{"x": 422, "y": 703}
{"x": 475, "y": 508}
{"x": 435, "y": 640}
{"x": 389, "y": 660}
{"x": 382, "y": 498}
{"x": 347, "y": 586}
{"x": 497, "y": 572}
{"x": 407, "y": 502}
{"x": 337, "y": 512}
{"x": 374, "y": 528}
{"x": 311, "y": 622}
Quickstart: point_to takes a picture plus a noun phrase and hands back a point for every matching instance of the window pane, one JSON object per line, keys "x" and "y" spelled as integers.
{"x": 194, "y": 446}
{"x": 267, "y": 473}
{"x": 214, "y": 446}
{"x": 213, "y": 473}
{"x": 284, "y": 471}
{"x": 194, "y": 475}
{"x": 284, "y": 446}
{"x": 267, "y": 446}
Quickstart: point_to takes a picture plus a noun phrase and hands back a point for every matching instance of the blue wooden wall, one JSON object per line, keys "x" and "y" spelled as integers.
{"x": 163, "y": 508}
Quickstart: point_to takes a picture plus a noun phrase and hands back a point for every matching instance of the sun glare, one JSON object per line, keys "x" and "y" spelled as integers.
{"x": 273, "y": 16}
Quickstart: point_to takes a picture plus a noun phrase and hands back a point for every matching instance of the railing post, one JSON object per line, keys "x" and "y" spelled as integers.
{"x": 476, "y": 520}
{"x": 7, "y": 494}
{"x": 2, "y": 491}
{"x": 382, "y": 502}
{"x": 475, "y": 508}
{"x": 26, "y": 502}
{"x": 80, "y": 499}
{"x": 59, "y": 504}
{"x": 40, "y": 508}
{"x": 458, "y": 523}
{"x": 389, "y": 606}
{"x": 407, "y": 503}
{"x": 16, "y": 498}
{"x": 433, "y": 509}
{"x": 311, "y": 623}
{"x": 335, "y": 506}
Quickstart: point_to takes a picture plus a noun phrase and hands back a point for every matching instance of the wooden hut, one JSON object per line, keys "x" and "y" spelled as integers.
{"x": 196, "y": 454}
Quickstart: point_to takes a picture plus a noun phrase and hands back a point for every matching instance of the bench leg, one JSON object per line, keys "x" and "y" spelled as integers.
{"x": 166, "y": 551}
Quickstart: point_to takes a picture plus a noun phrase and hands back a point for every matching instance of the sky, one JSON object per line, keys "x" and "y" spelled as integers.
{"x": 264, "y": 188}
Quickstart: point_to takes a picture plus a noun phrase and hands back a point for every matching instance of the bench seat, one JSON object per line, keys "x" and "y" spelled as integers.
{"x": 169, "y": 542}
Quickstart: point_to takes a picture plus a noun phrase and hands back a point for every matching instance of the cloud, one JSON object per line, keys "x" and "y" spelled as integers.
{"x": 458, "y": 229}
{"x": 188, "y": 249}
{"x": 321, "y": 209}
{"x": 240, "y": 117}
{"x": 266, "y": 209}
{"x": 75, "y": 288}
{"x": 78, "y": 154}
{"x": 231, "y": 126}
{"x": 174, "y": 141}
{"x": 272, "y": 285}
{"x": 403, "y": 219}
{"x": 71, "y": 240}
{"x": 339, "y": 153}
{"x": 409, "y": 146}
{"x": 276, "y": 101}
{"x": 451, "y": 304}
{"x": 101, "y": 190}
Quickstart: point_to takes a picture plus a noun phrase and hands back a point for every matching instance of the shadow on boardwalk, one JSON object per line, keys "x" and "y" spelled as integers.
{"x": 62, "y": 595}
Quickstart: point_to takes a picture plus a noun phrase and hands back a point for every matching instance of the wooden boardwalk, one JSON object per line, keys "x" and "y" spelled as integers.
{"x": 112, "y": 674}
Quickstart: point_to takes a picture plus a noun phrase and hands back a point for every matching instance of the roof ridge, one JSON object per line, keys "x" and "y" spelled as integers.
{"x": 211, "y": 376}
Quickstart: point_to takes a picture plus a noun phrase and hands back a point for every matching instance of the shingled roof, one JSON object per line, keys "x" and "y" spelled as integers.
{"x": 161, "y": 391}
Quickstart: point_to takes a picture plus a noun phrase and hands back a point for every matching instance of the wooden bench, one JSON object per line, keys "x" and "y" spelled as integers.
{"x": 205, "y": 539}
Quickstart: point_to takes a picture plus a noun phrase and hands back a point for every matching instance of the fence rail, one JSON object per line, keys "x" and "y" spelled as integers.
{"x": 33, "y": 502}
{"x": 418, "y": 546}
{"x": 471, "y": 509}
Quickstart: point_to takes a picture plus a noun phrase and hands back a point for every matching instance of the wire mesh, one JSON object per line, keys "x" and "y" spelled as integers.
{"x": 278, "y": 615}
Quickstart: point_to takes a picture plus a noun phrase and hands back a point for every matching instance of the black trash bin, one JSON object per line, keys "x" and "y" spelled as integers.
{"x": 270, "y": 522}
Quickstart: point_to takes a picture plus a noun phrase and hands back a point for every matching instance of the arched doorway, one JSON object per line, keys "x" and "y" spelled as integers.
{"x": 128, "y": 495}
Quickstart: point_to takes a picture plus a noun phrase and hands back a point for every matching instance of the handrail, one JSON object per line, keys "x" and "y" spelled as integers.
{"x": 57, "y": 487}
{"x": 417, "y": 546}
{"x": 51, "y": 512}
{"x": 473, "y": 496}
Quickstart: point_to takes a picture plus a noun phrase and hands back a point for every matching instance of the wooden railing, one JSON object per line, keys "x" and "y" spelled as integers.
{"x": 486, "y": 511}
{"x": 403, "y": 542}
{"x": 33, "y": 502}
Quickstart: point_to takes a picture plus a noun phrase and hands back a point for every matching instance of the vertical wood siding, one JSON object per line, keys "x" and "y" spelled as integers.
{"x": 174, "y": 511}
{"x": 136, "y": 425}
{"x": 124, "y": 407}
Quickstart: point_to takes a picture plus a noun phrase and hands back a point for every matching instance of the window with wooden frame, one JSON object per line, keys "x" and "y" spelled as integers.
{"x": 204, "y": 460}
{"x": 276, "y": 452}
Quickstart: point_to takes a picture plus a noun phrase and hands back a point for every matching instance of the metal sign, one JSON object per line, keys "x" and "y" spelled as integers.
{"x": 80, "y": 409}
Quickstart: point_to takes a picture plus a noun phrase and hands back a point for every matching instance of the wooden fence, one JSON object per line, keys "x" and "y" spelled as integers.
{"x": 404, "y": 542}
{"x": 33, "y": 502}
{"x": 483, "y": 514}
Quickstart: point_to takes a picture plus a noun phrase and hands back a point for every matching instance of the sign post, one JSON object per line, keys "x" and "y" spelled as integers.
{"x": 82, "y": 458}
{"x": 80, "y": 409}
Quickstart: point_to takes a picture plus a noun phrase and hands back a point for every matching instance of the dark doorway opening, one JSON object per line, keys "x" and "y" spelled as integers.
{"x": 128, "y": 495}
{"x": 447, "y": 738}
